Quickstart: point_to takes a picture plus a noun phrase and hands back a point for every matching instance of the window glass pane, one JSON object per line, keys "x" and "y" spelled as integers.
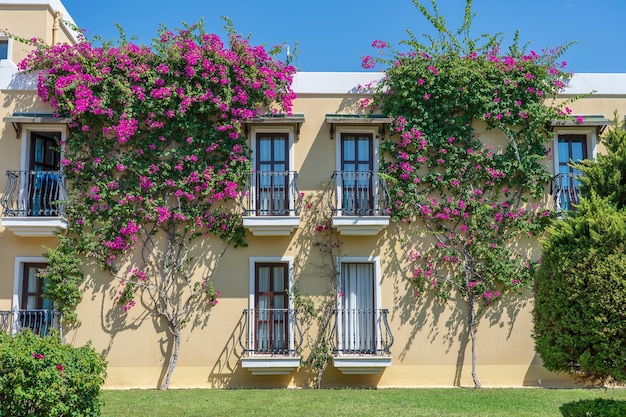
{"x": 264, "y": 279}
{"x": 279, "y": 279}
{"x": 279, "y": 301}
{"x": 279, "y": 149}
{"x": 265, "y": 149}
{"x": 364, "y": 149}
{"x": 31, "y": 302}
{"x": 39, "y": 150}
{"x": 577, "y": 151}
{"x": 33, "y": 281}
{"x": 4, "y": 49}
{"x": 264, "y": 303}
{"x": 349, "y": 149}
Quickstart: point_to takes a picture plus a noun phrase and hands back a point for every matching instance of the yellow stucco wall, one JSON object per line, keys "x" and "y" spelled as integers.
{"x": 430, "y": 349}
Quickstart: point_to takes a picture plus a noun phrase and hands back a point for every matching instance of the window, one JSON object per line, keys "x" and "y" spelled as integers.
{"x": 43, "y": 180}
{"x": 270, "y": 317}
{"x": 32, "y": 288}
{"x": 4, "y": 48}
{"x": 31, "y": 310}
{"x": 359, "y": 194}
{"x": 361, "y": 326}
{"x": 356, "y": 309}
{"x": 570, "y": 147}
{"x": 357, "y": 174}
{"x": 271, "y": 305}
{"x": 272, "y": 163}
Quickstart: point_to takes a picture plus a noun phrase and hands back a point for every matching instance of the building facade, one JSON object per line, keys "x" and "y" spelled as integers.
{"x": 316, "y": 175}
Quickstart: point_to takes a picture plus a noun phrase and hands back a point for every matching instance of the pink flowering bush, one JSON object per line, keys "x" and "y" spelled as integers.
{"x": 155, "y": 151}
{"x": 475, "y": 199}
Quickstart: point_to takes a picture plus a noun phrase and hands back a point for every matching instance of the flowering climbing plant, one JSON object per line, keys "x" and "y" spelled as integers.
{"x": 472, "y": 121}
{"x": 155, "y": 155}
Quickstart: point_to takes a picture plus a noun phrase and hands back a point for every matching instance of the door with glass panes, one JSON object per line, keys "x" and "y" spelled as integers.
{"x": 271, "y": 308}
{"x": 356, "y": 314}
{"x": 43, "y": 179}
{"x": 572, "y": 148}
{"x": 272, "y": 174}
{"x": 356, "y": 171}
{"x": 35, "y": 310}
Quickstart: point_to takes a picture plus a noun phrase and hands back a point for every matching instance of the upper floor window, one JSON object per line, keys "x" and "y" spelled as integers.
{"x": 571, "y": 145}
{"x": 4, "y": 48}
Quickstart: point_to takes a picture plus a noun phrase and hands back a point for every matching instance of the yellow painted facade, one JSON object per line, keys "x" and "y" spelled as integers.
{"x": 430, "y": 347}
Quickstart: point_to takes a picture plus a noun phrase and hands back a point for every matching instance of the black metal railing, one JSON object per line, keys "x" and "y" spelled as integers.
{"x": 359, "y": 193}
{"x": 269, "y": 193}
{"x": 40, "y": 322}
{"x": 362, "y": 331}
{"x": 270, "y": 331}
{"x": 566, "y": 191}
{"x": 34, "y": 193}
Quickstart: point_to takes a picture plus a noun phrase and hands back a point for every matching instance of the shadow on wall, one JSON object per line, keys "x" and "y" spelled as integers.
{"x": 105, "y": 289}
{"x": 433, "y": 322}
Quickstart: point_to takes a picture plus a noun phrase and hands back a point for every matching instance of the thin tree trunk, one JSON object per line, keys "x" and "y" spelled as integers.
{"x": 472, "y": 332}
{"x": 173, "y": 359}
{"x": 320, "y": 371}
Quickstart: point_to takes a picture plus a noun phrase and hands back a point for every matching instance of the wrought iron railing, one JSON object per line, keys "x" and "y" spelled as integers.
{"x": 359, "y": 193}
{"x": 270, "y": 331}
{"x": 362, "y": 331}
{"x": 566, "y": 191}
{"x": 34, "y": 193}
{"x": 269, "y": 193}
{"x": 40, "y": 322}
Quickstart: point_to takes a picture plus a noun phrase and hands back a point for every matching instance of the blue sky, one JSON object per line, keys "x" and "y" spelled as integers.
{"x": 333, "y": 35}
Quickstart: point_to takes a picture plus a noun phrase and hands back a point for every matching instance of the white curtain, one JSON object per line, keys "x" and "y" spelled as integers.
{"x": 356, "y": 330}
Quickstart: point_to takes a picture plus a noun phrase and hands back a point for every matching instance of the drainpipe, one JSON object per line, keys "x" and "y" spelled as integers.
{"x": 55, "y": 26}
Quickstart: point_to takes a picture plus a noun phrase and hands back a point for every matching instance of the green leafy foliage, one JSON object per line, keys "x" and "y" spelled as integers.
{"x": 580, "y": 294}
{"x": 40, "y": 376}
{"x": 598, "y": 407}
{"x": 475, "y": 196}
{"x": 155, "y": 158}
{"x": 579, "y": 314}
{"x": 606, "y": 176}
{"x": 63, "y": 277}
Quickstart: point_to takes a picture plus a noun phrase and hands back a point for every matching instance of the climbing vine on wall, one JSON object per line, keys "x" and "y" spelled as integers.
{"x": 155, "y": 158}
{"x": 475, "y": 195}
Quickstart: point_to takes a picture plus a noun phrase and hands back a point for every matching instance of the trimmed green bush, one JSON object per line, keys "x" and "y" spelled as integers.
{"x": 599, "y": 407}
{"x": 580, "y": 294}
{"x": 42, "y": 377}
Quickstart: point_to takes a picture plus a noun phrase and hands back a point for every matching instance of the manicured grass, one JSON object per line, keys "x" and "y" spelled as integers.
{"x": 459, "y": 402}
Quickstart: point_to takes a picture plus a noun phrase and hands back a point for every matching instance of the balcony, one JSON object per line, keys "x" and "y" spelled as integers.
{"x": 40, "y": 322}
{"x": 362, "y": 341}
{"x": 566, "y": 191}
{"x": 34, "y": 203}
{"x": 271, "y": 203}
{"x": 359, "y": 203}
{"x": 271, "y": 340}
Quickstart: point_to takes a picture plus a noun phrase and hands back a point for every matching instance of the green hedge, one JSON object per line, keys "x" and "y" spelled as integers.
{"x": 580, "y": 294}
{"x": 42, "y": 377}
{"x": 598, "y": 407}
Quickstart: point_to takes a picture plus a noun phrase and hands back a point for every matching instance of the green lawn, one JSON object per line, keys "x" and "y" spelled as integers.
{"x": 453, "y": 402}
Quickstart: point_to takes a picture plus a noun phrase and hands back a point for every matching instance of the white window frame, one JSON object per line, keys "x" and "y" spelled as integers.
{"x": 9, "y": 41}
{"x": 254, "y": 131}
{"x": 288, "y": 260}
{"x": 592, "y": 140}
{"x": 18, "y": 274}
{"x": 374, "y": 131}
{"x": 27, "y": 131}
{"x": 375, "y": 261}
